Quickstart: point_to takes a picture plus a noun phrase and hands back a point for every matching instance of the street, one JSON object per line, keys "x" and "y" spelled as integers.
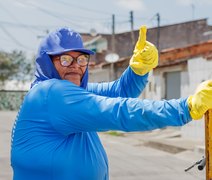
{"x": 130, "y": 160}
{"x": 130, "y": 156}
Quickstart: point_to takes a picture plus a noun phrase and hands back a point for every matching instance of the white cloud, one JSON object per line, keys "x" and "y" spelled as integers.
{"x": 131, "y": 4}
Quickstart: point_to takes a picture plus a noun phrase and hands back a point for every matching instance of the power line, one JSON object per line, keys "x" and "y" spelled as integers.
{"x": 50, "y": 13}
{"x": 79, "y": 20}
{"x": 65, "y": 15}
{"x": 12, "y": 16}
{"x": 25, "y": 26}
{"x": 13, "y": 38}
{"x": 61, "y": 17}
{"x": 84, "y": 8}
{"x": 91, "y": 10}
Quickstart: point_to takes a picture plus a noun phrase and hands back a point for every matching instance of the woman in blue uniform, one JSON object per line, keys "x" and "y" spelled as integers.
{"x": 55, "y": 134}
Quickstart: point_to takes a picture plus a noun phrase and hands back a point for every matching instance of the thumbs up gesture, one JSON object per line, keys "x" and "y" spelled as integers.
{"x": 145, "y": 54}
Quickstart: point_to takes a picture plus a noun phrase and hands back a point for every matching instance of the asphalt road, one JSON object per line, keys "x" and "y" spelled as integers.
{"x": 129, "y": 157}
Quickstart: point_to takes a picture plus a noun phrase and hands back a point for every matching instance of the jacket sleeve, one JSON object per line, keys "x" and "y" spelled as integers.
{"x": 71, "y": 109}
{"x": 128, "y": 85}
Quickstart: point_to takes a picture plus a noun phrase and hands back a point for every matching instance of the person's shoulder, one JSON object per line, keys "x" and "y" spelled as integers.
{"x": 46, "y": 84}
{"x": 56, "y": 83}
{"x": 59, "y": 85}
{"x": 56, "y": 86}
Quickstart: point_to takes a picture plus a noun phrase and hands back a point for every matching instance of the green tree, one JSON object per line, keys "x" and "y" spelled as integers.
{"x": 14, "y": 65}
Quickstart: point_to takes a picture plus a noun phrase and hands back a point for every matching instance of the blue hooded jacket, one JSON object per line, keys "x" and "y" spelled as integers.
{"x": 55, "y": 133}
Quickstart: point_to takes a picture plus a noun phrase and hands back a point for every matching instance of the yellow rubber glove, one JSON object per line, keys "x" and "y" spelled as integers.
{"x": 145, "y": 54}
{"x": 201, "y": 101}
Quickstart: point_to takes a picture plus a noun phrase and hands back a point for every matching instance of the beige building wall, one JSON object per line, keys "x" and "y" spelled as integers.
{"x": 192, "y": 74}
{"x": 99, "y": 75}
{"x": 199, "y": 69}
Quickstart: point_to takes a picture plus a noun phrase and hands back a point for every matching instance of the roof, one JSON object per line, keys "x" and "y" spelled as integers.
{"x": 175, "y": 56}
{"x": 92, "y": 40}
{"x": 180, "y": 55}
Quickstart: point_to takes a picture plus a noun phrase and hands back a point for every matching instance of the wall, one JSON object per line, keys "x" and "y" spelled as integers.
{"x": 156, "y": 87}
{"x": 199, "y": 69}
{"x": 192, "y": 74}
{"x": 99, "y": 75}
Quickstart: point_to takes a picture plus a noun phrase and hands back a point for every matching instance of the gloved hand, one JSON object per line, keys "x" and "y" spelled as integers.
{"x": 145, "y": 54}
{"x": 201, "y": 101}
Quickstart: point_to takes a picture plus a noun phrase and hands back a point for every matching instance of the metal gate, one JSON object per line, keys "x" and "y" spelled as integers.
{"x": 172, "y": 85}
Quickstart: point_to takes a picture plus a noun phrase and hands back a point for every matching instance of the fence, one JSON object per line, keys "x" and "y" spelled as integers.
{"x": 11, "y": 100}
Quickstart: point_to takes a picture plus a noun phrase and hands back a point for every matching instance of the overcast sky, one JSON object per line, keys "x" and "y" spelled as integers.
{"x": 24, "y": 22}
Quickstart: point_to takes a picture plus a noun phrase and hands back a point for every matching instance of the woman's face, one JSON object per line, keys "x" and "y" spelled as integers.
{"x": 74, "y": 72}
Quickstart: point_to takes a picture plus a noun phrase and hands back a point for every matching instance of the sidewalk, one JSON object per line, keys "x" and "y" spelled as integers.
{"x": 168, "y": 140}
{"x": 157, "y": 155}
{"x": 6, "y": 121}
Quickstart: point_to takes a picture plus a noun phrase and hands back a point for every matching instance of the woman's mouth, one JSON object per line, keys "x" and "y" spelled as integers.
{"x": 72, "y": 74}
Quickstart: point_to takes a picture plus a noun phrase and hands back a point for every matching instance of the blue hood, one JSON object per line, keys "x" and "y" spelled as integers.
{"x": 57, "y": 42}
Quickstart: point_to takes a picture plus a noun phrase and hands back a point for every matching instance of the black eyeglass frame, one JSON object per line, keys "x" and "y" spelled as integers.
{"x": 73, "y": 58}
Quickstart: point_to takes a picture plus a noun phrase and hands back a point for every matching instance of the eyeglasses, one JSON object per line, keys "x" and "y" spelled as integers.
{"x": 66, "y": 59}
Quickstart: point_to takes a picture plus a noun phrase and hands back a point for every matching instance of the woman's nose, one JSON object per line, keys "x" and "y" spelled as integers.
{"x": 74, "y": 64}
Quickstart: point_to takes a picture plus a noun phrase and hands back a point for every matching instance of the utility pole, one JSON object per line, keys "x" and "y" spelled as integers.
{"x": 113, "y": 33}
{"x": 158, "y": 31}
{"x": 193, "y": 10}
{"x": 113, "y": 47}
{"x": 132, "y": 28}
